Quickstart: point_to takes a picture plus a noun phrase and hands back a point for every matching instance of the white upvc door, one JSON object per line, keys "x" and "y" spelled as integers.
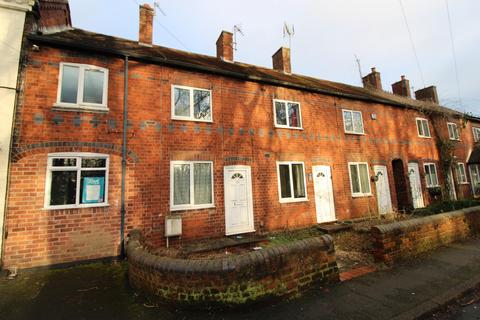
{"x": 415, "y": 185}
{"x": 238, "y": 200}
{"x": 322, "y": 182}
{"x": 383, "y": 190}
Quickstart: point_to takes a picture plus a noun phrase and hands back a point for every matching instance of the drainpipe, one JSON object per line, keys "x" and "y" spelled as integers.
{"x": 124, "y": 158}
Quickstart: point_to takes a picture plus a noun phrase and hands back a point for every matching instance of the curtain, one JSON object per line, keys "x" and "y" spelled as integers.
{"x": 181, "y": 184}
{"x": 202, "y": 181}
{"x": 355, "y": 178}
{"x": 364, "y": 178}
{"x": 280, "y": 113}
{"x": 357, "y": 122}
{"x": 294, "y": 115}
{"x": 298, "y": 181}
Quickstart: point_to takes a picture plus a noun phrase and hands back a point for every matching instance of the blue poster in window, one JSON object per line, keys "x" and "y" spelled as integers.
{"x": 93, "y": 189}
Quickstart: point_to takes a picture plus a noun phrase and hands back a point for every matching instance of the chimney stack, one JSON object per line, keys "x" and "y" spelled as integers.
{"x": 372, "y": 80}
{"x": 427, "y": 94}
{"x": 53, "y": 15}
{"x": 281, "y": 60}
{"x": 145, "y": 35}
{"x": 402, "y": 87}
{"x": 225, "y": 46}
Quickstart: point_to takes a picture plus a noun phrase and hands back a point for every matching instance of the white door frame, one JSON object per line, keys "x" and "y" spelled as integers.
{"x": 416, "y": 172}
{"x": 384, "y": 171}
{"x": 321, "y": 218}
{"x": 251, "y": 225}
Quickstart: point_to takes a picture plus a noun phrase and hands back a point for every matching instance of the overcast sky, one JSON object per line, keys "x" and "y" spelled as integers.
{"x": 328, "y": 35}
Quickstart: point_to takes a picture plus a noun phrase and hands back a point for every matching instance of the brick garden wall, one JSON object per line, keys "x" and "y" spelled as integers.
{"x": 405, "y": 239}
{"x": 283, "y": 270}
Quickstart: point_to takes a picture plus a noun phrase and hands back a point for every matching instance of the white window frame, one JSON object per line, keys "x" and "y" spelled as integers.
{"x": 418, "y": 128}
{"x": 353, "y": 123}
{"x": 277, "y": 125}
{"x": 452, "y": 130}
{"x": 426, "y": 164}
{"x": 292, "y": 198}
{"x": 461, "y": 165}
{"x": 362, "y": 193}
{"x": 192, "y": 204}
{"x": 81, "y": 77}
{"x": 78, "y": 167}
{"x": 476, "y": 134}
{"x": 192, "y": 107}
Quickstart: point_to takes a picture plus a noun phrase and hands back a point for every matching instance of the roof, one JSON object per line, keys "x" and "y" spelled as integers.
{"x": 81, "y": 39}
{"x": 475, "y": 156}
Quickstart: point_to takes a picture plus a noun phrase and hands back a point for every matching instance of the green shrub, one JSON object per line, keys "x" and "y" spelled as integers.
{"x": 445, "y": 206}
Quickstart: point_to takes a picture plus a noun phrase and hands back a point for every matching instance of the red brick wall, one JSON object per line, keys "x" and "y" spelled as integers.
{"x": 242, "y": 132}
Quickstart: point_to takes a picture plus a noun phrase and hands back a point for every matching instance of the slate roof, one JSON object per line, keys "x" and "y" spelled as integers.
{"x": 81, "y": 39}
{"x": 474, "y": 156}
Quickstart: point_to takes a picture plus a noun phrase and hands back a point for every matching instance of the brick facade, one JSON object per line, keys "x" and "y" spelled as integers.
{"x": 242, "y": 132}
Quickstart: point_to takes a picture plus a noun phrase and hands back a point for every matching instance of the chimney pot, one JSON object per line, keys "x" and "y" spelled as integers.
{"x": 402, "y": 87}
{"x": 427, "y": 94}
{"x": 225, "y": 46}
{"x": 372, "y": 80}
{"x": 145, "y": 35}
{"x": 281, "y": 60}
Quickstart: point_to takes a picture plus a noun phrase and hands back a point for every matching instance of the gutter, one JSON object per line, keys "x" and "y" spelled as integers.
{"x": 186, "y": 65}
{"x": 124, "y": 158}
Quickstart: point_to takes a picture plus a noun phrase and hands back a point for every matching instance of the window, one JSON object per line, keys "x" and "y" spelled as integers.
{"x": 359, "y": 179}
{"x": 476, "y": 134}
{"x": 191, "y": 185}
{"x": 453, "y": 132}
{"x": 431, "y": 175}
{"x": 76, "y": 180}
{"x": 461, "y": 173}
{"x": 353, "y": 122}
{"x": 475, "y": 178}
{"x": 82, "y": 86}
{"x": 287, "y": 114}
{"x": 191, "y": 104}
{"x": 291, "y": 181}
{"x": 422, "y": 128}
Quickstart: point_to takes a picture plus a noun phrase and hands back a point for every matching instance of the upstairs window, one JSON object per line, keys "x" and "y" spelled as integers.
{"x": 453, "y": 132}
{"x": 431, "y": 176}
{"x": 287, "y": 114}
{"x": 291, "y": 181}
{"x": 353, "y": 122}
{"x": 76, "y": 180}
{"x": 476, "y": 134}
{"x": 191, "y": 104}
{"x": 82, "y": 86}
{"x": 359, "y": 179}
{"x": 461, "y": 173}
{"x": 191, "y": 185}
{"x": 423, "y": 128}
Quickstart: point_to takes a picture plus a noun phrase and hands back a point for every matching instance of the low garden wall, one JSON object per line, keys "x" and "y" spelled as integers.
{"x": 282, "y": 270}
{"x": 406, "y": 239}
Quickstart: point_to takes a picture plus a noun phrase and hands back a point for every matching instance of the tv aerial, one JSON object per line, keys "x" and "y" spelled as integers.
{"x": 156, "y": 6}
{"x": 237, "y": 29}
{"x": 288, "y": 32}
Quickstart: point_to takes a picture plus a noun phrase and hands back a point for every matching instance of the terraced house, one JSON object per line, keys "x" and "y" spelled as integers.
{"x": 113, "y": 134}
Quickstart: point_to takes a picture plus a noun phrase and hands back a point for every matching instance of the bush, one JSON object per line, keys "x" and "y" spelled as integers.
{"x": 445, "y": 206}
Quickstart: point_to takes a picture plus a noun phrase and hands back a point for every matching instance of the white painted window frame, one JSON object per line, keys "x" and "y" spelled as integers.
{"x": 428, "y": 164}
{"x": 476, "y": 134}
{"x": 78, "y": 167}
{"x": 292, "y": 198}
{"x": 353, "y": 123}
{"x": 191, "y": 205}
{"x": 80, "y": 105}
{"x": 362, "y": 193}
{"x": 464, "y": 170}
{"x": 422, "y": 120}
{"x": 191, "y": 117}
{"x": 277, "y": 125}
{"x": 452, "y": 130}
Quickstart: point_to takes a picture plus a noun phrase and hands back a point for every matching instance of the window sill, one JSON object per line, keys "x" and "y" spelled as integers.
{"x": 432, "y": 187}
{"x": 363, "y": 195}
{"x": 355, "y": 133}
{"x": 464, "y": 183}
{"x": 288, "y": 128}
{"x": 80, "y": 108}
{"x": 191, "y": 120}
{"x": 192, "y": 208}
{"x": 84, "y": 206}
{"x": 425, "y": 137}
{"x": 293, "y": 200}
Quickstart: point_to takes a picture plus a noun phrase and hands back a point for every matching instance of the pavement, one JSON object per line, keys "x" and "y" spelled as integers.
{"x": 100, "y": 291}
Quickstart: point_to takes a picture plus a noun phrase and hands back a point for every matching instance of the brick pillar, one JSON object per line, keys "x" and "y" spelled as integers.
{"x": 225, "y": 46}
{"x": 281, "y": 60}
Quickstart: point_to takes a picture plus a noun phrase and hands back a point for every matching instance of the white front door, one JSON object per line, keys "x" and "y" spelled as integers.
{"x": 415, "y": 185}
{"x": 238, "y": 200}
{"x": 383, "y": 190}
{"x": 451, "y": 182}
{"x": 322, "y": 182}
